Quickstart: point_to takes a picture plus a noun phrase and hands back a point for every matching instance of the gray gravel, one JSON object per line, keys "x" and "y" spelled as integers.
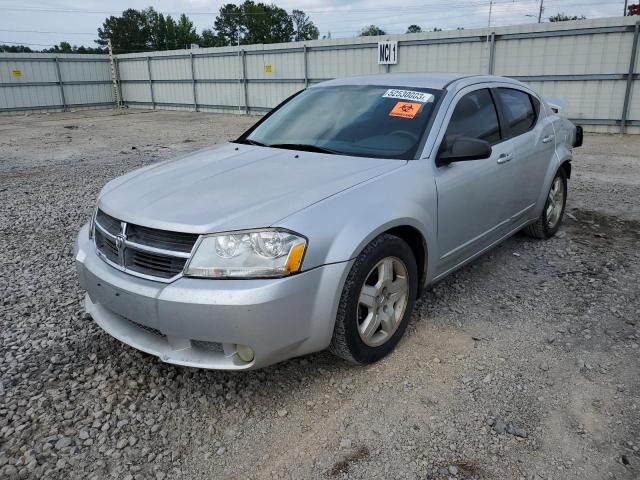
{"x": 525, "y": 364}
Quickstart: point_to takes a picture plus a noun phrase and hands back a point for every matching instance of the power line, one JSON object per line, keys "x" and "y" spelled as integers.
{"x": 325, "y": 11}
{"x": 26, "y": 43}
{"x": 38, "y": 31}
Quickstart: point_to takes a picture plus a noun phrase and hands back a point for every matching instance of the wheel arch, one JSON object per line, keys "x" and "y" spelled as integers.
{"x": 418, "y": 244}
{"x": 566, "y": 165}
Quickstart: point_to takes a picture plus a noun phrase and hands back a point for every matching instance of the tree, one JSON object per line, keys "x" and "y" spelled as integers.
{"x": 265, "y": 23}
{"x": 561, "y": 17}
{"x": 228, "y": 24}
{"x": 210, "y": 39}
{"x": 132, "y": 32}
{"x": 414, "y": 29}
{"x": 252, "y": 22}
{"x": 436, "y": 29}
{"x": 15, "y": 48}
{"x": 371, "y": 31}
{"x": 303, "y": 27}
{"x": 185, "y": 33}
{"x": 65, "y": 47}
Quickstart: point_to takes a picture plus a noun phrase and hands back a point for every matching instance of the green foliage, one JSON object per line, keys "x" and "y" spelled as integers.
{"x": 15, "y": 49}
{"x": 252, "y": 22}
{"x": 229, "y": 25}
{"x": 561, "y": 17}
{"x": 414, "y": 29}
{"x": 66, "y": 47}
{"x": 210, "y": 39}
{"x": 247, "y": 23}
{"x": 303, "y": 27}
{"x": 371, "y": 31}
{"x": 265, "y": 23}
{"x": 131, "y": 32}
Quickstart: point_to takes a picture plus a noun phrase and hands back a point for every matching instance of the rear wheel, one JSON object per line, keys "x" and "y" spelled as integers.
{"x": 376, "y": 302}
{"x": 550, "y": 219}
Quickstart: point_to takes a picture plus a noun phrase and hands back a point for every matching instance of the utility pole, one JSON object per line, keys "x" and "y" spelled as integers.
{"x": 490, "y": 10}
{"x": 540, "y": 11}
{"x": 624, "y": 14}
{"x": 114, "y": 75}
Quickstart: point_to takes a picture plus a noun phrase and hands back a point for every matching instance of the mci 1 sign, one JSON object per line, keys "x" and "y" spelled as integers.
{"x": 388, "y": 52}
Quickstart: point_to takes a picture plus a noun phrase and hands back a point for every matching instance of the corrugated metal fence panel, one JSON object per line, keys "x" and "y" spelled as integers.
{"x": 273, "y": 72}
{"x": 570, "y": 55}
{"x": 265, "y": 95}
{"x": 31, "y": 71}
{"x": 28, "y": 97}
{"x": 283, "y": 65}
{"x": 33, "y": 81}
{"x": 216, "y": 68}
{"x": 226, "y": 94}
{"x": 584, "y": 62}
{"x": 171, "y": 68}
{"x": 586, "y": 99}
{"x": 343, "y": 63}
{"x": 136, "y": 92}
{"x": 132, "y": 69}
{"x": 469, "y": 57}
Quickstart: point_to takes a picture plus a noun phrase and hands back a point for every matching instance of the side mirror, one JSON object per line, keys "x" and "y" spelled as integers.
{"x": 463, "y": 149}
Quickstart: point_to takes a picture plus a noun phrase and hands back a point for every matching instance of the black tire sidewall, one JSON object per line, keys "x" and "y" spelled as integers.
{"x": 391, "y": 247}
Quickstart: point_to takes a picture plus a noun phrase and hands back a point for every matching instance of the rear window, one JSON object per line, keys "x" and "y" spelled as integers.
{"x": 519, "y": 111}
{"x": 474, "y": 116}
{"x": 361, "y": 120}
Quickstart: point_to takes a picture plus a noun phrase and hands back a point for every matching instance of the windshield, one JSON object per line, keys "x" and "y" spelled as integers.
{"x": 360, "y": 120}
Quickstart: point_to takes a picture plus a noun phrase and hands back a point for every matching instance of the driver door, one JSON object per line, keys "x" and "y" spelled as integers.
{"x": 474, "y": 197}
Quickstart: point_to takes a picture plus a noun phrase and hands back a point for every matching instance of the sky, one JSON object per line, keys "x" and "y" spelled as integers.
{"x": 42, "y": 23}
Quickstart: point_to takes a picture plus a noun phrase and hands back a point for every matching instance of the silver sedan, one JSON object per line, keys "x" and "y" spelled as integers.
{"x": 320, "y": 226}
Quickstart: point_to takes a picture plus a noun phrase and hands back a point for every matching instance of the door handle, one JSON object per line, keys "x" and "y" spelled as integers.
{"x": 504, "y": 158}
{"x": 547, "y": 139}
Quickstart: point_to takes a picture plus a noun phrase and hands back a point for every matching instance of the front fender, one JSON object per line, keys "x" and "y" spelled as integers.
{"x": 340, "y": 226}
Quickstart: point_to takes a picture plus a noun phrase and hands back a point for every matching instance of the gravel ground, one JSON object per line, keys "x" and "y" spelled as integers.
{"x": 524, "y": 364}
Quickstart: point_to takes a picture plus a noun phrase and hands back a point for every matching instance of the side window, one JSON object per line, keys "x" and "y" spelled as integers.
{"x": 519, "y": 111}
{"x": 474, "y": 116}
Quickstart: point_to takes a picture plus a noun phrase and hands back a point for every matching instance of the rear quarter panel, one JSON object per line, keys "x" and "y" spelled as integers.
{"x": 565, "y": 132}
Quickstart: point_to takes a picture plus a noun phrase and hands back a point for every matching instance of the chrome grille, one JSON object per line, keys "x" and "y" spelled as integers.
{"x": 142, "y": 251}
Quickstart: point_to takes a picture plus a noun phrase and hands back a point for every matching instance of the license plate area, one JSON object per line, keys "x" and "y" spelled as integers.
{"x": 137, "y": 308}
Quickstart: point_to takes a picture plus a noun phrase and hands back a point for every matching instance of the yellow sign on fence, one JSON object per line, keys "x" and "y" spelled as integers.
{"x": 16, "y": 73}
{"x": 268, "y": 68}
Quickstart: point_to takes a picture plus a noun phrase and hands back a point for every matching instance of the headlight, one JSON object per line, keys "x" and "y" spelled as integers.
{"x": 248, "y": 254}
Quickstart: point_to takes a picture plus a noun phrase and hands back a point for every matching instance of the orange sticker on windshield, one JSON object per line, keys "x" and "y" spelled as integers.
{"x": 405, "y": 109}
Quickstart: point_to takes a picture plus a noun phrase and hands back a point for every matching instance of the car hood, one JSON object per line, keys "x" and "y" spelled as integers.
{"x": 233, "y": 187}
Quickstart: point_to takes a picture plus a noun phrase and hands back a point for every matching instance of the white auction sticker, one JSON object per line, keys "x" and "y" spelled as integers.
{"x": 408, "y": 95}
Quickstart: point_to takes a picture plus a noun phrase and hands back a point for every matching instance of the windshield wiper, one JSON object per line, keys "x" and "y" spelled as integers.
{"x": 246, "y": 141}
{"x": 303, "y": 147}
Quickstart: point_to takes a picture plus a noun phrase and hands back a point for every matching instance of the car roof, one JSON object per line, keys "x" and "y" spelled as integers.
{"x": 438, "y": 81}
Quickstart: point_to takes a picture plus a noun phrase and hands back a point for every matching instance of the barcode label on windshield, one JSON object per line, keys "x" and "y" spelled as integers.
{"x": 408, "y": 95}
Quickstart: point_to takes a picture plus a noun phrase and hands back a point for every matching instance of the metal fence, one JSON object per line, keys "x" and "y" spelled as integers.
{"x": 591, "y": 64}
{"x": 54, "y": 82}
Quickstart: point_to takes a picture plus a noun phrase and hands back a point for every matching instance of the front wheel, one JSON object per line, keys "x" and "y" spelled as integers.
{"x": 550, "y": 219}
{"x": 376, "y": 302}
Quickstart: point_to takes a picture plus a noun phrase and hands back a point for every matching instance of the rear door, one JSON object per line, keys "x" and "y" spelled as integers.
{"x": 532, "y": 136}
{"x": 473, "y": 196}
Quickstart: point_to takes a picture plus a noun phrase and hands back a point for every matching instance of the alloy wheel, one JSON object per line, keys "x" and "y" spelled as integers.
{"x": 555, "y": 202}
{"x": 382, "y": 301}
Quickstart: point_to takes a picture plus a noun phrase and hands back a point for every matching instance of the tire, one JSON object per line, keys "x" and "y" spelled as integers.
{"x": 545, "y": 227}
{"x": 384, "y": 254}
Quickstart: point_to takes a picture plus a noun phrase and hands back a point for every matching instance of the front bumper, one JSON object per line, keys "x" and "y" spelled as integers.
{"x": 199, "y": 322}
